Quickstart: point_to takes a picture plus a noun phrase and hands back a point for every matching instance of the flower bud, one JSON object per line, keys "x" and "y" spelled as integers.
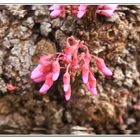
{"x": 48, "y": 83}
{"x": 85, "y": 73}
{"x": 55, "y": 70}
{"x": 80, "y": 14}
{"x": 40, "y": 79}
{"x": 102, "y": 67}
{"x": 66, "y": 81}
{"x": 68, "y": 94}
{"x": 82, "y": 7}
{"x": 55, "y": 13}
{"x": 36, "y": 73}
{"x": 91, "y": 85}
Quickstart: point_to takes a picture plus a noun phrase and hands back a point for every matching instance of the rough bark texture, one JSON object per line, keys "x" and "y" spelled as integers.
{"x": 27, "y": 32}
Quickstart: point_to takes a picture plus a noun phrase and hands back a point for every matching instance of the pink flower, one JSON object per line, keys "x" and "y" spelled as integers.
{"x": 91, "y": 85}
{"x": 87, "y": 57}
{"x": 81, "y": 14}
{"x": 46, "y": 64}
{"x": 106, "y": 71}
{"x": 102, "y": 67}
{"x": 48, "y": 83}
{"x": 68, "y": 94}
{"x": 74, "y": 62}
{"x": 48, "y": 71}
{"x": 81, "y": 11}
{"x": 82, "y": 7}
{"x": 45, "y": 59}
{"x": 37, "y": 73}
{"x": 71, "y": 49}
{"x": 39, "y": 79}
{"x": 66, "y": 81}
{"x": 56, "y": 11}
{"x": 85, "y": 73}
{"x": 77, "y": 57}
{"x": 68, "y": 52}
{"x": 55, "y": 70}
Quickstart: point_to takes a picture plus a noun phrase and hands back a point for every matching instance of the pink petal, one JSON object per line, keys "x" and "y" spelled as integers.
{"x": 81, "y": 14}
{"x": 68, "y": 94}
{"x": 66, "y": 81}
{"x": 55, "y": 70}
{"x": 85, "y": 73}
{"x": 82, "y": 7}
{"x": 44, "y": 88}
{"x": 55, "y": 13}
{"x": 106, "y": 71}
{"x": 85, "y": 79}
{"x": 46, "y": 59}
{"x": 100, "y": 6}
{"x": 48, "y": 83}
{"x": 98, "y": 11}
{"x": 67, "y": 97}
{"x": 55, "y": 76}
{"x": 36, "y": 73}
{"x": 93, "y": 90}
{"x": 66, "y": 87}
{"x": 40, "y": 79}
{"x": 69, "y": 57}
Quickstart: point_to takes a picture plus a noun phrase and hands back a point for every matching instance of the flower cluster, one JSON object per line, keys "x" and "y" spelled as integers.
{"x": 79, "y": 11}
{"x": 74, "y": 59}
{"x": 62, "y": 10}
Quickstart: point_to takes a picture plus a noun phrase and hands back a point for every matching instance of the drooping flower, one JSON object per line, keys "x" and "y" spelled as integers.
{"x": 92, "y": 83}
{"x": 56, "y": 11}
{"x": 70, "y": 50}
{"x": 67, "y": 94}
{"x": 40, "y": 79}
{"x": 48, "y": 83}
{"x": 85, "y": 73}
{"x": 73, "y": 61}
{"x": 102, "y": 67}
{"x": 81, "y": 11}
{"x": 66, "y": 81}
{"x": 36, "y": 73}
{"x": 55, "y": 70}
